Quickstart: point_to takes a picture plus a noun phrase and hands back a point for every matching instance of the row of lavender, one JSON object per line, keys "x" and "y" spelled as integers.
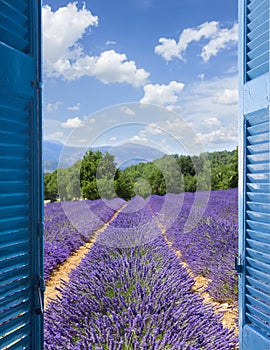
{"x": 68, "y": 225}
{"x": 130, "y": 292}
{"x": 206, "y": 234}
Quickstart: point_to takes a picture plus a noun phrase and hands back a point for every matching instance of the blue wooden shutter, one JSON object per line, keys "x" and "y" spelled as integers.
{"x": 21, "y": 286}
{"x": 254, "y": 186}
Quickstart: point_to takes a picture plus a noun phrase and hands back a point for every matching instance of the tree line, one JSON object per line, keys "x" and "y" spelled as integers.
{"x": 97, "y": 176}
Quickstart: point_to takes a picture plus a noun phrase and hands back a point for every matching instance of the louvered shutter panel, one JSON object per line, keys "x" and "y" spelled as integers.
{"x": 257, "y": 38}
{"x": 21, "y": 286}
{"x": 254, "y": 185}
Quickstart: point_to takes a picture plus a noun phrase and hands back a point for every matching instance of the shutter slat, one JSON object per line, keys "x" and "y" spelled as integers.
{"x": 259, "y": 178}
{"x": 15, "y": 311}
{"x": 259, "y": 246}
{"x": 10, "y": 276}
{"x": 5, "y": 211}
{"x": 258, "y": 197}
{"x": 17, "y": 336}
{"x": 259, "y": 256}
{"x": 257, "y": 322}
{"x": 258, "y": 294}
{"x": 257, "y": 51}
{"x": 17, "y": 236}
{"x": 259, "y": 30}
{"x": 259, "y": 168}
{"x": 11, "y": 186}
{"x": 259, "y": 207}
{"x": 258, "y": 274}
{"x": 253, "y": 4}
{"x": 14, "y": 299}
{"x": 259, "y": 157}
{"x": 260, "y": 236}
{"x": 264, "y": 227}
{"x": 14, "y": 262}
{"x": 258, "y": 187}
{"x": 17, "y": 322}
{"x": 258, "y": 265}
{"x": 259, "y": 60}
{"x": 14, "y": 249}
{"x": 262, "y": 147}
{"x": 20, "y": 5}
{"x": 14, "y": 25}
{"x": 258, "y": 41}
{"x": 257, "y": 71}
{"x": 254, "y": 301}
{"x": 264, "y": 137}
{"x": 256, "y": 22}
{"x": 255, "y": 312}
{"x": 259, "y": 128}
{"x": 257, "y": 11}
{"x": 14, "y": 198}
{"x": 15, "y": 138}
{"x": 257, "y": 216}
{"x": 15, "y": 286}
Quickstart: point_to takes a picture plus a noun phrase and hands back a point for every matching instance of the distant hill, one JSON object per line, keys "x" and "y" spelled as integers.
{"x": 125, "y": 155}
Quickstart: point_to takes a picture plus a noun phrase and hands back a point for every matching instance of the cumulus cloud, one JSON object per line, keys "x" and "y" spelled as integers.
{"x": 65, "y": 57}
{"x": 219, "y": 38}
{"x": 162, "y": 94}
{"x": 219, "y": 41}
{"x": 226, "y": 97}
{"x": 72, "y": 123}
{"x": 52, "y": 107}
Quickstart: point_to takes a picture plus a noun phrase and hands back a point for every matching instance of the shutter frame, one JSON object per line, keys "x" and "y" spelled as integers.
{"x": 21, "y": 182}
{"x": 254, "y": 178}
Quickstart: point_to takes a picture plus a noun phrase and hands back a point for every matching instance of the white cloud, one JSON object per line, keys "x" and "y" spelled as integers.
{"x": 201, "y": 76}
{"x": 113, "y": 138}
{"x": 226, "y": 97}
{"x": 75, "y": 107}
{"x": 109, "y": 67}
{"x": 62, "y": 29}
{"x": 212, "y": 122}
{"x": 220, "y": 41}
{"x": 223, "y": 135}
{"x": 162, "y": 94}
{"x": 110, "y": 42}
{"x": 72, "y": 123}
{"x": 52, "y": 107}
{"x": 65, "y": 57}
{"x": 55, "y": 136}
{"x": 175, "y": 108}
{"x": 219, "y": 38}
{"x": 127, "y": 110}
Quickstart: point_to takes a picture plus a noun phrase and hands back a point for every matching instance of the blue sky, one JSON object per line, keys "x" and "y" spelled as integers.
{"x": 150, "y": 71}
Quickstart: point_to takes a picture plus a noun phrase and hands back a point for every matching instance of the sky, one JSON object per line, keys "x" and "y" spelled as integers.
{"x": 162, "y": 73}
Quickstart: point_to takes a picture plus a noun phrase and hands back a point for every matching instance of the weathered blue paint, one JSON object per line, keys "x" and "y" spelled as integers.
{"x": 254, "y": 175}
{"x": 21, "y": 234}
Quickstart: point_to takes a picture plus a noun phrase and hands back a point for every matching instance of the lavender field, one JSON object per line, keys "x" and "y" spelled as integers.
{"x": 130, "y": 291}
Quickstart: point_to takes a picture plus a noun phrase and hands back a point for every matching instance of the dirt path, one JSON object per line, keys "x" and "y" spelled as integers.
{"x": 229, "y": 312}
{"x": 61, "y": 273}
